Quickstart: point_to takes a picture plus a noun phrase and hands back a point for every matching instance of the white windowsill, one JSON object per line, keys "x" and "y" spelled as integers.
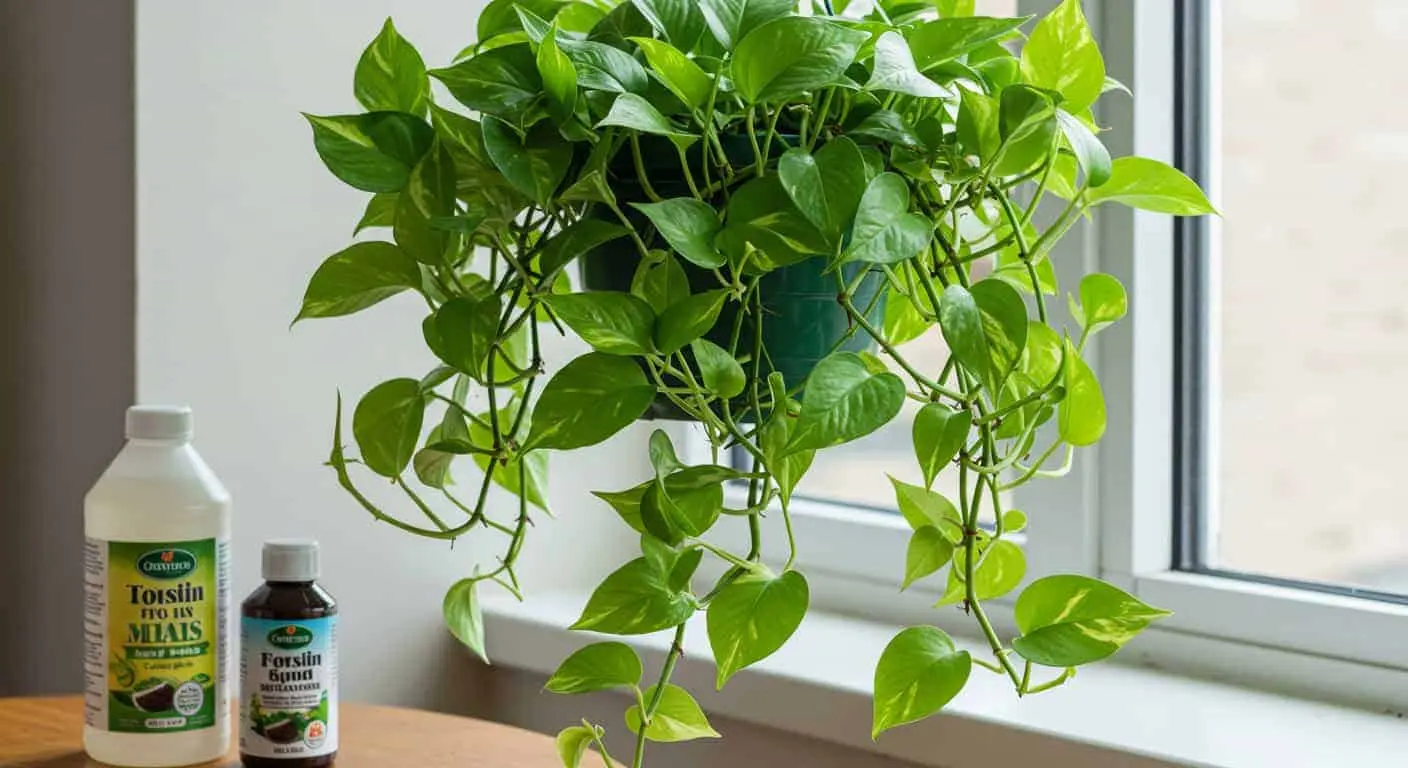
{"x": 1110, "y": 715}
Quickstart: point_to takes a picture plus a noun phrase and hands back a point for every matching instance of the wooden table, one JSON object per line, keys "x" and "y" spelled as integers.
{"x": 48, "y": 733}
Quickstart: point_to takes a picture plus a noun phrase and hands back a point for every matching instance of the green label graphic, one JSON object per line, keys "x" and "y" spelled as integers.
{"x": 290, "y": 637}
{"x": 163, "y": 636}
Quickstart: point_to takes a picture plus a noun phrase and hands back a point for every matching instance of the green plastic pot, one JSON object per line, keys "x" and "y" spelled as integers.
{"x": 803, "y": 321}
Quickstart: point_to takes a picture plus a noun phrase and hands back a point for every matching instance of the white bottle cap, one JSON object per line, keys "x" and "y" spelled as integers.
{"x": 159, "y": 422}
{"x": 290, "y": 560}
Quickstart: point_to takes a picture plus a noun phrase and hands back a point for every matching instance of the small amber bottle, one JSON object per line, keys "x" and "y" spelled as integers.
{"x": 288, "y": 663}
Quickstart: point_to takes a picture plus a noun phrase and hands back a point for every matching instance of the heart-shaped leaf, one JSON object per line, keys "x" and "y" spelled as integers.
{"x": 374, "y": 152}
{"x": 501, "y": 81}
{"x": 634, "y": 112}
{"x": 792, "y": 55}
{"x": 1070, "y": 620}
{"x": 919, "y": 672}
{"x": 634, "y": 600}
{"x": 885, "y": 231}
{"x": 1061, "y": 55}
{"x": 610, "y": 321}
{"x": 534, "y": 163}
{"x": 601, "y": 67}
{"x": 939, "y": 433}
{"x": 688, "y": 320}
{"x": 616, "y": 388}
{"x": 929, "y": 550}
{"x": 597, "y": 667}
{"x": 677, "y": 718}
{"x": 387, "y": 425}
{"x": 1092, "y": 155}
{"x": 391, "y": 75}
{"x": 922, "y": 507}
{"x": 677, "y": 71}
{"x": 827, "y": 186}
{"x": 731, "y": 20}
{"x": 464, "y": 617}
{"x": 679, "y": 21}
{"x": 356, "y": 278}
{"x": 844, "y": 400}
{"x": 936, "y": 42}
{"x": 689, "y": 226}
{"x": 1081, "y": 415}
{"x": 722, "y": 374}
{"x": 1150, "y": 185}
{"x": 753, "y": 617}
{"x": 894, "y": 70}
{"x": 559, "y": 78}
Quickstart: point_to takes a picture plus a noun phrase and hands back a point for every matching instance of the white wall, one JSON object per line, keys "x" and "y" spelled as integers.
{"x": 234, "y": 213}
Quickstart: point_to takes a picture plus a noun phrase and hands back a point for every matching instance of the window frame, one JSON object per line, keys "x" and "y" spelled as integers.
{"x": 1116, "y": 513}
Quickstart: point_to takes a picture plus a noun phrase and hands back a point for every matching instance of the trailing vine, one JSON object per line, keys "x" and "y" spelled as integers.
{"x": 697, "y": 160}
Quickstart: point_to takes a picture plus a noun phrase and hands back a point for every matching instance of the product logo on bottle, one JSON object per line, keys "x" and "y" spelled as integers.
{"x": 166, "y": 563}
{"x": 290, "y": 637}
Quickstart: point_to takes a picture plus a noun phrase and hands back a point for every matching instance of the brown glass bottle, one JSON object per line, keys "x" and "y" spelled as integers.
{"x": 289, "y": 658}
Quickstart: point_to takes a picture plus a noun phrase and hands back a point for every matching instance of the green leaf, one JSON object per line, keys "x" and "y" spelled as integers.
{"x": 689, "y": 226}
{"x": 534, "y": 469}
{"x": 356, "y": 278}
{"x": 1102, "y": 301}
{"x": 572, "y": 743}
{"x": 502, "y": 81}
{"x": 722, "y": 374}
{"x": 597, "y": 667}
{"x": 826, "y": 186}
{"x": 466, "y": 330}
{"x": 380, "y": 212}
{"x": 391, "y": 75}
{"x": 752, "y": 618}
{"x": 918, "y": 673}
{"x": 661, "y": 281}
{"x": 535, "y": 27}
{"x": 679, "y": 21}
{"x": 429, "y": 196}
{"x": 387, "y": 425}
{"x": 1092, "y": 155}
{"x": 1150, "y": 185}
{"x": 985, "y": 328}
{"x": 929, "y": 550}
{"x": 432, "y": 467}
{"x": 464, "y": 617}
{"x": 943, "y": 40}
{"x": 1014, "y": 520}
{"x": 677, "y": 718}
{"x": 634, "y": 600}
{"x": 566, "y": 246}
{"x": 887, "y": 125}
{"x": 731, "y": 20}
{"x": 688, "y": 320}
{"x": 677, "y": 71}
{"x": 601, "y": 67}
{"x": 787, "y": 467}
{"x": 939, "y": 433}
{"x": 1024, "y": 111}
{"x": 922, "y": 507}
{"x": 1081, "y": 415}
{"x": 1061, "y": 55}
{"x": 760, "y": 215}
{"x": 949, "y": 9}
{"x": 559, "y": 79}
{"x": 673, "y": 507}
{"x": 979, "y": 130}
{"x": 1000, "y": 569}
{"x": 1070, "y": 620}
{"x": 634, "y": 112}
{"x": 502, "y": 17}
{"x": 789, "y": 56}
{"x": 374, "y": 152}
{"x": 627, "y": 504}
{"x": 903, "y": 321}
{"x": 894, "y": 70}
{"x": 885, "y": 232}
{"x": 615, "y": 387}
{"x": 611, "y": 322}
{"x": 535, "y": 163}
{"x": 844, "y": 400}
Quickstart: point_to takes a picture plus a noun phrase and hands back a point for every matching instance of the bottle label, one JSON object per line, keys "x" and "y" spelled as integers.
{"x": 154, "y": 627}
{"x": 288, "y": 687}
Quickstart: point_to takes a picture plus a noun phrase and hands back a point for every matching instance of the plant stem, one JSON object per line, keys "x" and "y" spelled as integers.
{"x": 640, "y": 169}
{"x": 676, "y": 650}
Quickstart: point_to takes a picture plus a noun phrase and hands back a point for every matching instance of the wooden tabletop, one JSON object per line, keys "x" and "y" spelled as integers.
{"x": 48, "y": 733}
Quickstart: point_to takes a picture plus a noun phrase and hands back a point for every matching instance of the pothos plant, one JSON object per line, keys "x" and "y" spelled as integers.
{"x": 701, "y": 160}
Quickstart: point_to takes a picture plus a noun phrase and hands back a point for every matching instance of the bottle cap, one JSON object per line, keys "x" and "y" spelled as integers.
{"x": 290, "y": 560}
{"x": 159, "y": 422}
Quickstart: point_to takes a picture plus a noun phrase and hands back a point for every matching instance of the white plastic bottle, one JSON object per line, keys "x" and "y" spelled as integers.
{"x": 157, "y": 602}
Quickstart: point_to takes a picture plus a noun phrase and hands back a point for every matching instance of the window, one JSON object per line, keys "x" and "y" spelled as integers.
{"x": 1232, "y": 486}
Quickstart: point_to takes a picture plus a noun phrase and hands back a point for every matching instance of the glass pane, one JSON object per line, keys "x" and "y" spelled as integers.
{"x": 1310, "y": 330}
{"x": 855, "y": 473}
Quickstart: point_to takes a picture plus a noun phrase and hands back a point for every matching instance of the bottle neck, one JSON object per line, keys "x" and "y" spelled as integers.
{"x": 285, "y": 583}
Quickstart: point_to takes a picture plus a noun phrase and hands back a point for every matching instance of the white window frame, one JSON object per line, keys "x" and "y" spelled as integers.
{"x": 1113, "y": 515}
